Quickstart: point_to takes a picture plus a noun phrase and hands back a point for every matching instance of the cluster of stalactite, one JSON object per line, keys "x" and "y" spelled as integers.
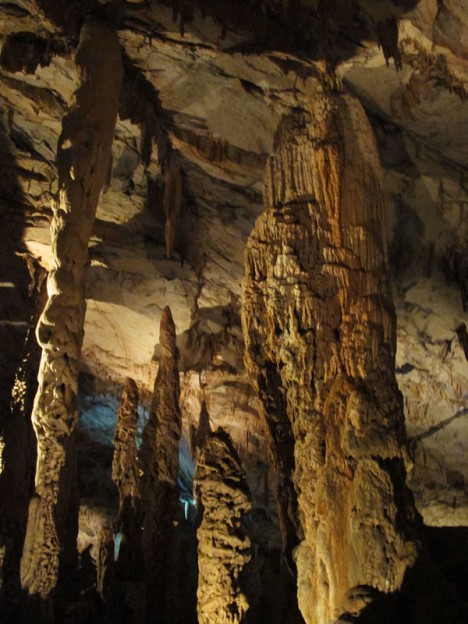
{"x": 139, "y": 102}
{"x": 83, "y": 161}
{"x": 223, "y": 545}
{"x": 320, "y": 344}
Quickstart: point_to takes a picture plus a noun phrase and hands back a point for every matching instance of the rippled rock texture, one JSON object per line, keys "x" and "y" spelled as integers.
{"x": 223, "y": 545}
{"x": 320, "y": 341}
{"x": 206, "y": 86}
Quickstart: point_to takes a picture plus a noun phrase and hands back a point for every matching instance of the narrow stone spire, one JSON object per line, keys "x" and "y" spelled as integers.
{"x": 83, "y": 160}
{"x": 159, "y": 457}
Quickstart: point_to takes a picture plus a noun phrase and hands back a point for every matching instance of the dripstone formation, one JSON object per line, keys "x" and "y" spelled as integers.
{"x": 223, "y": 545}
{"x": 159, "y": 458}
{"x": 233, "y": 294}
{"x": 83, "y": 162}
{"x": 320, "y": 346}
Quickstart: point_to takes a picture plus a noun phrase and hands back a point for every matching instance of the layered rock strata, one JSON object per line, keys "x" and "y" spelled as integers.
{"x": 319, "y": 326}
{"x": 159, "y": 458}
{"x": 83, "y": 161}
{"x": 223, "y": 500}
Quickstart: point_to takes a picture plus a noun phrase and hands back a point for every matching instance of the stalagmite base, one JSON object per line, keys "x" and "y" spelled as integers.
{"x": 319, "y": 326}
{"x": 223, "y": 546}
{"x": 83, "y": 161}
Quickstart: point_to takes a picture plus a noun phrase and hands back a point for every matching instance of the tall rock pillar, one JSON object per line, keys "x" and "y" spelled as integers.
{"x": 83, "y": 161}
{"x": 223, "y": 499}
{"x": 319, "y": 327}
{"x": 159, "y": 458}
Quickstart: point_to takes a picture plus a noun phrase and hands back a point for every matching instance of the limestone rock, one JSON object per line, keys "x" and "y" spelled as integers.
{"x": 319, "y": 326}
{"x": 126, "y": 475}
{"x": 223, "y": 546}
{"x": 159, "y": 456}
{"x": 208, "y": 82}
{"x": 125, "y": 472}
{"x": 83, "y": 160}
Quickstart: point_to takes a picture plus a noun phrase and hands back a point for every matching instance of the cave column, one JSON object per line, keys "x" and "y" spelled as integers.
{"x": 319, "y": 327}
{"x": 159, "y": 457}
{"x": 83, "y": 160}
{"x": 223, "y": 499}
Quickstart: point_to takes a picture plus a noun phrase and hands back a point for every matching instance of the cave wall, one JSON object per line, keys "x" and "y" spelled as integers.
{"x": 183, "y": 193}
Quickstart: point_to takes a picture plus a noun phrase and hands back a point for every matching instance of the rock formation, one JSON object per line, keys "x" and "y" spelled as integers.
{"x": 83, "y": 162}
{"x": 319, "y": 327}
{"x": 159, "y": 456}
{"x": 126, "y": 475}
{"x": 104, "y": 563}
{"x": 205, "y": 86}
{"x": 223, "y": 500}
{"x": 18, "y": 461}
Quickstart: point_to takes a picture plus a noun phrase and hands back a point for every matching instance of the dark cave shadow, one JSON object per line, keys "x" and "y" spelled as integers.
{"x": 15, "y": 304}
{"x": 94, "y": 463}
{"x": 433, "y": 590}
{"x": 270, "y": 589}
{"x": 16, "y": 311}
{"x": 329, "y": 29}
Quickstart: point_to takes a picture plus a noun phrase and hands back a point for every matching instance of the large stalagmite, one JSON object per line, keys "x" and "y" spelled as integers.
{"x": 159, "y": 458}
{"x": 83, "y": 161}
{"x": 223, "y": 547}
{"x": 319, "y": 326}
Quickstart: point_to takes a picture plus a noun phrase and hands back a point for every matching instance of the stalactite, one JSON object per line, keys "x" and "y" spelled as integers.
{"x": 126, "y": 476}
{"x": 462, "y": 335}
{"x": 172, "y": 202}
{"x": 319, "y": 326}
{"x": 24, "y": 51}
{"x": 82, "y": 159}
{"x": 223, "y": 547}
{"x": 387, "y": 35}
{"x": 159, "y": 458}
{"x": 204, "y": 427}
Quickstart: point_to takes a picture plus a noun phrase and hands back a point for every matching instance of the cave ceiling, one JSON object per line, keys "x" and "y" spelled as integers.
{"x": 205, "y": 87}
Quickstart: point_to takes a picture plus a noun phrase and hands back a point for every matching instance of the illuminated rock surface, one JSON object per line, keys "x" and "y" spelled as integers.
{"x": 82, "y": 161}
{"x": 320, "y": 339}
{"x": 205, "y": 87}
{"x": 223, "y": 546}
